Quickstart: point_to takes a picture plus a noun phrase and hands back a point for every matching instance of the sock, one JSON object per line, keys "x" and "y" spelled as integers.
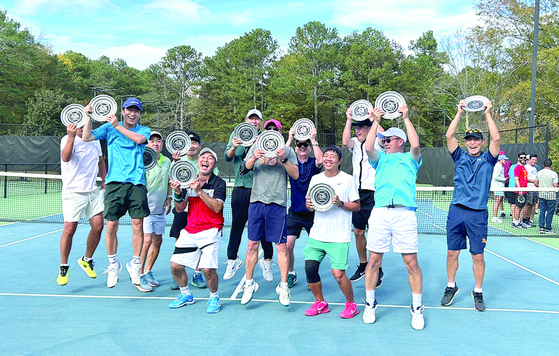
{"x": 283, "y": 284}
{"x": 86, "y": 259}
{"x": 363, "y": 265}
{"x": 197, "y": 272}
{"x": 112, "y": 259}
{"x": 451, "y": 285}
{"x": 515, "y": 221}
{"x": 185, "y": 290}
{"x": 292, "y": 272}
{"x": 214, "y": 295}
{"x": 64, "y": 265}
{"x": 136, "y": 259}
{"x": 249, "y": 282}
{"x": 416, "y": 300}
{"x": 478, "y": 290}
{"x": 370, "y": 296}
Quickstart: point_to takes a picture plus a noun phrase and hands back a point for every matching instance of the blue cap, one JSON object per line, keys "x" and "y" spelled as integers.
{"x": 133, "y": 102}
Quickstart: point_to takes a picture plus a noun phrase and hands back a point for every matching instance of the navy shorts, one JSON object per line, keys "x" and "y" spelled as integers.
{"x": 462, "y": 222}
{"x": 267, "y": 221}
{"x": 297, "y": 220}
{"x": 360, "y": 219}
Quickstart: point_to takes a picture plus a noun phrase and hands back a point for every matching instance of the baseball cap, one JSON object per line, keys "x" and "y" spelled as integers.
{"x": 476, "y": 133}
{"x": 254, "y": 112}
{"x": 365, "y": 122}
{"x": 335, "y": 149}
{"x": 156, "y": 133}
{"x": 273, "y": 121}
{"x": 393, "y": 131}
{"x": 133, "y": 102}
{"x": 194, "y": 136}
{"x": 206, "y": 150}
{"x": 503, "y": 156}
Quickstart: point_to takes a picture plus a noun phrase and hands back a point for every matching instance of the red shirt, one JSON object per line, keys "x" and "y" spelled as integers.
{"x": 521, "y": 173}
{"x": 200, "y": 216}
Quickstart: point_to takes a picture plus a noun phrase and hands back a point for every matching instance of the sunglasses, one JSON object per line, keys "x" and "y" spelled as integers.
{"x": 272, "y": 128}
{"x": 389, "y": 139}
{"x": 522, "y": 157}
{"x": 302, "y": 144}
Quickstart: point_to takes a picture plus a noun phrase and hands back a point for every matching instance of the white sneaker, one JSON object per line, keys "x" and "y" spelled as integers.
{"x": 417, "y": 321}
{"x": 249, "y": 290}
{"x": 369, "y": 312}
{"x": 267, "y": 272}
{"x": 232, "y": 267}
{"x": 496, "y": 220}
{"x": 112, "y": 274}
{"x": 284, "y": 295}
{"x": 134, "y": 272}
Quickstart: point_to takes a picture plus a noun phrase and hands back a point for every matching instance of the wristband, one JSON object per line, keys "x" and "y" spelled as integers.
{"x": 178, "y": 200}
{"x": 284, "y": 160}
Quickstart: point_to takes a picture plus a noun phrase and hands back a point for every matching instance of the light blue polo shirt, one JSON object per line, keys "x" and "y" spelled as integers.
{"x": 395, "y": 177}
{"x": 126, "y": 157}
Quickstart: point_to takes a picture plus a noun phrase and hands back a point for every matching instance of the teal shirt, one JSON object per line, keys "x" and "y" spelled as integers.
{"x": 395, "y": 177}
{"x": 157, "y": 184}
{"x": 238, "y": 164}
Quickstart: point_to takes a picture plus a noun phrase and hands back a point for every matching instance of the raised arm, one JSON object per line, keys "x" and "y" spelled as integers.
{"x": 413, "y": 139}
{"x": 87, "y": 135}
{"x": 68, "y": 148}
{"x": 495, "y": 144}
{"x": 374, "y": 116}
{"x": 451, "y": 141}
{"x": 346, "y": 136}
{"x": 136, "y": 137}
{"x": 316, "y": 149}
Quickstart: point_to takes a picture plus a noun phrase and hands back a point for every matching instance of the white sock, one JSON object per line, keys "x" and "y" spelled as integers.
{"x": 451, "y": 285}
{"x": 86, "y": 259}
{"x": 249, "y": 282}
{"x": 370, "y": 296}
{"x": 112, "y": 259}
{"x": 185, "y": 290}
{"x": 214, "y": 295}
{"x": 136, "y": 259}
{"x": 416, "y": 300}
{"x": 292, "y": 272}
{"x": 478, "y": 290}
{"x": 283, "y": 284}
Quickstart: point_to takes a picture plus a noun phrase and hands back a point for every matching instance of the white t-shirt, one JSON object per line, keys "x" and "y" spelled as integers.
{"x": 334, "y": 225}
{"x": 80, "y": 173}
{"x": 532, "y": 172}
{"x": 361, "y": 165}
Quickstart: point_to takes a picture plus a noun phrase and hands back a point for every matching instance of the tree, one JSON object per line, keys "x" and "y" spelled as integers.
{"x": 43, "y": 116}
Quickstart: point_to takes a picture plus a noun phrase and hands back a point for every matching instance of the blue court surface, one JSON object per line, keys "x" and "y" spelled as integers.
{"x": 38, "y": 317}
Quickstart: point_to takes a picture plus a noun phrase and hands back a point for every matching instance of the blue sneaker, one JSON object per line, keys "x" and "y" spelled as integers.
{"x": 213, "y": 305}
{"x": 151, "y": 280}
{"x": 291, "y": 280}
{"x": 198, "y": 280}
{"x": 143, "y": 286}
{"x": 182, "y": 300}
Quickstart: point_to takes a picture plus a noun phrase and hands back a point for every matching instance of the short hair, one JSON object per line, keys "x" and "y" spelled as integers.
{"x": 547, "y": 162}
{"x": 533, "y": 155}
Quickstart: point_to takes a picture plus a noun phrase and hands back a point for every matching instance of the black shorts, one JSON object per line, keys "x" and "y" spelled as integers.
{"x": 296, "y": 221}
{"x": 125, "y": 197}
{"x": 360, "y": 219}
{"x": 511, "y": 197}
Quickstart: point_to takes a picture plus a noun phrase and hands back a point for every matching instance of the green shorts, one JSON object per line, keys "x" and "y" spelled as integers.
{"x": 123, "y": 197}
{"x": 338, "y": 252}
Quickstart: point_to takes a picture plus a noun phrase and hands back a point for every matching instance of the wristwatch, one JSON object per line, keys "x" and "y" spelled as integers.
{"x": 342, "y": 205}
{"x": 284, "y": 160}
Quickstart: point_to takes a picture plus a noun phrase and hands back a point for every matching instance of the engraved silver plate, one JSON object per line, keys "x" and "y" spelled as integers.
{"x": 322, "y": 196}
{"x": 101, "y": 107}
{"x": 246, "y": 132}
{"x": 475, "y": 103}
{"x": 73, "y": 114}
{"x": 150, "y": 158}
{"x": 390, "y": 102}
{"x": 183, "y": 172}
{"x": 270, "y": 141}
{"x": 303, "y": 128}
{"x": 360, "y": 110}
{"x": 178, "y": 141}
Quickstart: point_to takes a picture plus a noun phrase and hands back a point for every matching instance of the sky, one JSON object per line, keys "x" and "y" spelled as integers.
{"x": 141, "y": 31}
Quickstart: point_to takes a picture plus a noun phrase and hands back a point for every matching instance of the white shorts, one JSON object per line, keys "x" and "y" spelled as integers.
{"x": 154, "y": 223}
{"x": 78, "y": 205}
{"x": 203, "y": 247}
{"x": 392, "y": 225}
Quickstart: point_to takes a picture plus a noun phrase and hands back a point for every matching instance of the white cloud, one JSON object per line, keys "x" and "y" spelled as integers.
{"x": 443, "y": 26}
{"x": 185, "y": 9}
{"x": 32, "y": 7}
{"x": 208, "y": 44}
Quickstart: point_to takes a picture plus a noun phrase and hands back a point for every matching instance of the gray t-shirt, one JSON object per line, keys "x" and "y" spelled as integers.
{"x": 270, "y": 178}
{"x": 546, "y": 178}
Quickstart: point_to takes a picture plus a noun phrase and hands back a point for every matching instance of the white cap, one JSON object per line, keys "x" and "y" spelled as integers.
{"x": 155, "y": 133}
{"x": 206, "y": 150}
{"x": 254, "y": 112}
{"x": 393, "y": 131}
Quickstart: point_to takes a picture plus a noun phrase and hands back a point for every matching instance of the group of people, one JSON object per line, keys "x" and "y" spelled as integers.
{"x": 379, "y": 197}
{"x": 526, "y": 173}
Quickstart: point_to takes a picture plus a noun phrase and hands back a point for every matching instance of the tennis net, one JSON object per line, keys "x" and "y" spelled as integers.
{"x": 37, "y": 198}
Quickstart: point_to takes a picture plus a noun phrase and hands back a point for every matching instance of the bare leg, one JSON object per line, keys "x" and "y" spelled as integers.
{"x": 282, "y": 260}
{"x": 251, "y": 258}
{"x": 479, "y": 268}
{"x": 110, "y": 237}
{"x": 179, "y": 274}
{"x": 96, "y": 223}
{"x": 452, "y": 264}
{"x": 371, "y": 272}
{"x": 316, "y": 289}
{"x": 344, "y": 283}
{"x": 66, "y": 241}
{"x": 153, "y": 252}
{"x": 211, "y": 279}
{"x": 145, "y": 248}
{"x": 290, "y": 256}
{"x": 361, "y": 244}
{"x": 137, "y": 236}
{"x": 415, "y": 277}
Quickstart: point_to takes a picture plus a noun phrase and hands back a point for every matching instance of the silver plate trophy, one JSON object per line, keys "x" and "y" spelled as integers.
{"x": 475, "y": 103}
{"x": 360, "y": 110}
{"x": 303, "y": 128}
{"x": 101, "y": 107}
{"x": 245, "y": 132}
{"x": 321, "y": 196}
{"x": 150, "y": 158}
{"x": 73, "y": 114}
{"x": 390, "y": 102}
{"x": 183, "y": 172}
{"x": 270, "y": 141}
{"x": 178, "y": 141}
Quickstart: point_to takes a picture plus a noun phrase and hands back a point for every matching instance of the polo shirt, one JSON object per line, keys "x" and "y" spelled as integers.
{"x": 200, "y": 216}
{"x": 300, "y": 186}
{"x": 472, "y": 179}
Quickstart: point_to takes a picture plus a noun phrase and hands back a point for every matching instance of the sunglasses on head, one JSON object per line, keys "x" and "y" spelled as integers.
{"x": 470, "y": 131}
{"x": 302, "y": 144}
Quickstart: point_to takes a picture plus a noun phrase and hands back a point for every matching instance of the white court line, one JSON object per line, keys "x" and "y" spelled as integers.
{"x": 31, "y": 238}
{"x": 524, "y": 268}
{"x": 260, "y": 300}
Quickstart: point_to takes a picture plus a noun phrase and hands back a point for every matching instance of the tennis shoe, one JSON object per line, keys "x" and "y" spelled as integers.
{"x": 479, "y": 304}
{"x": 369, "y": 312}
{"x": 291, "y": 280}
{"x": 380, "y": 277}
{"x": 213, "y": 305}
{"x": 151, "y": 280}
{"x": 449, "y": 294}
{"x": 318, "y": 307}
{"x": 62, "y": 278}
{"x": 232, "y": 267}
{"x": 496, "y": 220}
{"x": 248, "y": 292}
{"x": 417, "y": 321}
{"x": 543, "y": 230}
{"x": 266, "y": 267}
{"x": 198, "y": 280}
{"x": 112, "y": 272}
{"x": 503, "y": 215}
{"x": 134, "y": 271}
{"x": 360, "y": 273}
{"x": 350, "y": 310}
{"x": 87, "y": 267}
{"x": 284, "y": 295}
{"x": 550, "y": 232}
{"x": 144, "y": 285}
{"x": 182, "y": 300}
{"x": 518, "y": 225}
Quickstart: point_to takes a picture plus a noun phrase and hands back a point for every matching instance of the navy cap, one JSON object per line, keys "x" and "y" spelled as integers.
{"x": 133, "y": 102}
{"x": 194, "y": 136}
{"x": 365, "y": 122}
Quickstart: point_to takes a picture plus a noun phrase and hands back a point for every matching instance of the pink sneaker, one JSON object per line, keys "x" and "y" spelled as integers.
{"x": 318, "y": 307}
{"x": 350, "y": 310}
